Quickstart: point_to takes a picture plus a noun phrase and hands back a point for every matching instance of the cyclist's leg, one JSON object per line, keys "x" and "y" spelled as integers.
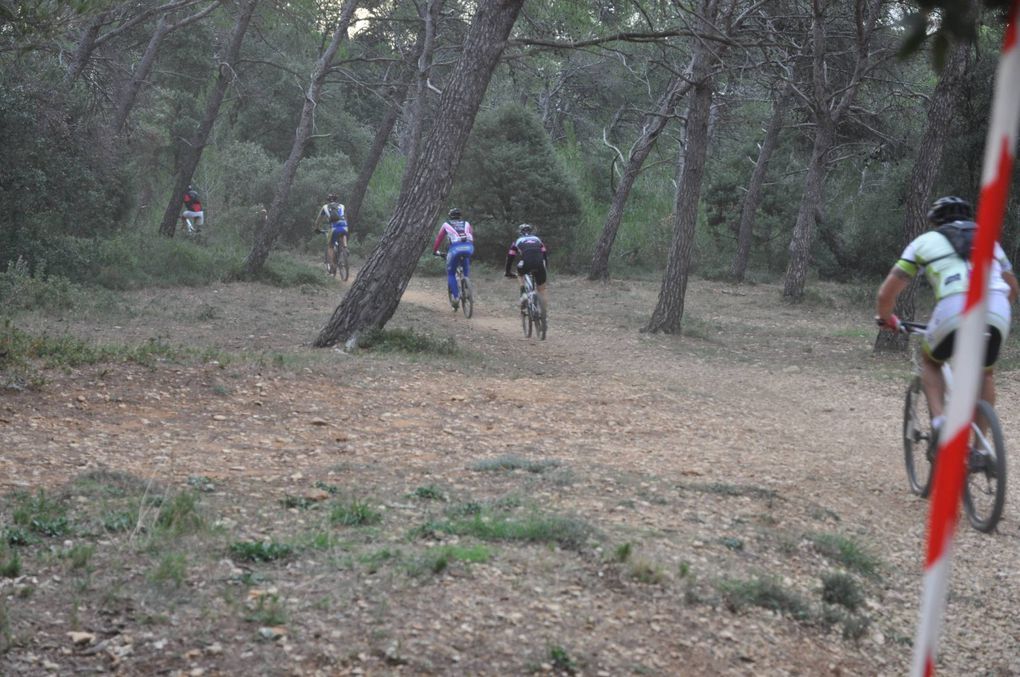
{"x": 451, "y": 272}
{"x": 937, "y": 346}
{"x": 334, "y": 237}
{"x": 999, "y": 319}
{"x": 540, "y": 280}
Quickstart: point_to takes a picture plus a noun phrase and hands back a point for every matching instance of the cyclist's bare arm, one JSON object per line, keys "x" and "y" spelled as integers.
{"x": 895, "y": 282}
{"x": 1014, "y": 288}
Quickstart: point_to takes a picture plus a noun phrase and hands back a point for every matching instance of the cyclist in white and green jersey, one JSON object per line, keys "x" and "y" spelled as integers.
{"x": 948, "y": 272}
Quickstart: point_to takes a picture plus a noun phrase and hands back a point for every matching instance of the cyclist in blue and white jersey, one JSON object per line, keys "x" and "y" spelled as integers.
{"x": 462, "y": 247}
{"x": 335, "y": 214}
{"x": 948, "y": 272}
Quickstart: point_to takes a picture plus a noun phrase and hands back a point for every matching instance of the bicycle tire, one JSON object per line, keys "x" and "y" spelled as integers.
{"x": 467, "y": 297}
{"x": 917, "y": 440}
{"x": 987, "y": 479}
{"x": 343, "y": 263}
{"x": 540, "y": 320}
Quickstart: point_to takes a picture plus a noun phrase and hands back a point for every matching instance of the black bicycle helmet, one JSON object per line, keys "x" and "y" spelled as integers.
{"x": 454, "y": 214}
{"x": 525, "y": 229}
{"x": 332, "y": 197}
{"x": 948, "y": 209}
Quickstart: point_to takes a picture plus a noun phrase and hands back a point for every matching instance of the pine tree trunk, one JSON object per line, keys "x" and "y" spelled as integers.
{"x": 270, "y": 230}
{"x": 382, "y": 135}
{"x": 193, "y": 152}
{"x": 128, "y": 96}
{"x": 752, "y": 198}
{"x": 810, "y": 206}
{"x": 129, "y": 93}
{"x": 669, "y": 310}
{"x": 430, "y": 16}
{"x": 653, "y": 126}
{"x": 375, "y": 294}
{"x": 923, "y": 175}
{"x": 86, "y": 45}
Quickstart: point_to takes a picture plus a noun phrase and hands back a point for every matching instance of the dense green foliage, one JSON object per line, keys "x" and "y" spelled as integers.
{"x": 81, "y": 201}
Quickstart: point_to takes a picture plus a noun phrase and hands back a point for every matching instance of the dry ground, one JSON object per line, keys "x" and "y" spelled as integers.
{"x": 601, "y": 503}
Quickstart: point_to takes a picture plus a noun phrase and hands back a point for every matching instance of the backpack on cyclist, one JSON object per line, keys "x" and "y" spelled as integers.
{"x": 335, "y": 212}
{"x": 961, "y": 235}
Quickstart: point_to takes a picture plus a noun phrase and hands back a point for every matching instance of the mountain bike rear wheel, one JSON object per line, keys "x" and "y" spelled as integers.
{"x": 984, "y": 492}
{"x": 540, "y": 320}
{"x": 467, "y": 297}
{"x": 918, "y": 440}
{"x": 343, "y": 263}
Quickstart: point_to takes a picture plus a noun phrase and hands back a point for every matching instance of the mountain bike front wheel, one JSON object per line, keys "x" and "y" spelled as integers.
{"x": 984, "y": 493}
{"x": 918, "y": 440}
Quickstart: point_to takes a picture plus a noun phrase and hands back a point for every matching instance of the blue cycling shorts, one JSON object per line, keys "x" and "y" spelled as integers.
{"x": 339, "y": 228}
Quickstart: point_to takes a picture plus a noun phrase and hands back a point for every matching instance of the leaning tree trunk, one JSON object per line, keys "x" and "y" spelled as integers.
{"x": 752, "y": 198}
{"x": 270, "y": 230}
{"x": 810, "y": 207}
{"x": 193, "y": 152}
{"x": 669, "y": 310}
{"x": 129, "y": 94}
{"x": 653, "y": 125}
{"x": 86, "y": 45}
{"x": 375, "y": 294}
{"x": 375, "y": 152}
{"x": 429, "y": 15}
{"x": 922, "y": 178}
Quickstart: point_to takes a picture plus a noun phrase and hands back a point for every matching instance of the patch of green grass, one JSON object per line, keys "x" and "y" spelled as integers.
{"x": 732, "y": 543}
{"x": 41, "y": 514}
{"x": 373, "y": 561}
{"x": 180, "y": 515}
{"x": 644, "y": 571}
{"x": 430, "y": 493}
{"x": 19, "y": 347}
{"x": 561, "y": 660}
{"x": 846, "y": 551}
{"x": 767, "y": 593}
{"x": 735, "y": 490}
{"x": 109, "y": 484}
{"x": 10, "y": 562}
{"x": 80, "y": 555}
{"x": 622, "y": 552}
{"x": 201, "y": 483}
{"x": 437, "y": 560}
{"x": 261, "y": 551}
{"x": 406, "y": 341}
{"x": 269, "y": 611}
{"x": 119, "y": 520}
{"x": 567, "y": 532}
{"x": 17, "y": 536}
{"x": 330, "y": 489}
{"x": 842, "y": 589}
{"x": 222, "y": 390}
{"x": 172, "y": 569}
{"x": 354, "y": 514}
{"x": 511, "y": 462}
{"x": 298, "y": 502}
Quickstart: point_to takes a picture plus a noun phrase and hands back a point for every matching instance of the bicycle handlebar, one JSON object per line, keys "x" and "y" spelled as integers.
{"x": 907, "y": 326}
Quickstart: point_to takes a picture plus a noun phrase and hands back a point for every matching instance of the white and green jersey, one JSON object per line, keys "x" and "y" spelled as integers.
{"x": 947, "y": 273}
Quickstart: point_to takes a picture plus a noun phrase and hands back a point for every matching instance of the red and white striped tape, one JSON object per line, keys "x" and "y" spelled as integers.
{"x": 968, "y": 356}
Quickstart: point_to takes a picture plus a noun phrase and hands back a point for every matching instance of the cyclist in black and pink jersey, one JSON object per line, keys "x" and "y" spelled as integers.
{"x": 462, "y": 246}
{"x": 532, "y": 256}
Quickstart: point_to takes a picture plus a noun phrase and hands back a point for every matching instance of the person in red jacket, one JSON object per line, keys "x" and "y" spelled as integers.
{"x": 193, "y": 215}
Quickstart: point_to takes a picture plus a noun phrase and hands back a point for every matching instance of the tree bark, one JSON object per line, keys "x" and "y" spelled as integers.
{"x": 653, "y": 125}
{"x": 193, "y": 152}
{"x": 129, "y": 93}
{"x": 923, "y": 175}
{"x": 810, "y": 207}
{"x": 430, "y": 16}
{"x": 752, "y": 198}
{"x": 375, "y": 294}
{"x": 270, "y": 230}
{"x": 829, "y": 101}
{"x": 382, "y": 135}
{"x": 86, "y": 45}
{"x": 669, "y": 310}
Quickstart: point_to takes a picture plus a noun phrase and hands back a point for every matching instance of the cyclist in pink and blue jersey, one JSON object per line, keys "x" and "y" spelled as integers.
{"x": 462, "y": 246}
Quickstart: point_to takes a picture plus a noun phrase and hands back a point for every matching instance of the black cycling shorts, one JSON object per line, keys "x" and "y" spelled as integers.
{"x": 944, "y": 350}
{"x": 537, "y": 270}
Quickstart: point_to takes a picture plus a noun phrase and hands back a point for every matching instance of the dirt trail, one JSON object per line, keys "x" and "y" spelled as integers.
{"x": 723, "y": 453}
